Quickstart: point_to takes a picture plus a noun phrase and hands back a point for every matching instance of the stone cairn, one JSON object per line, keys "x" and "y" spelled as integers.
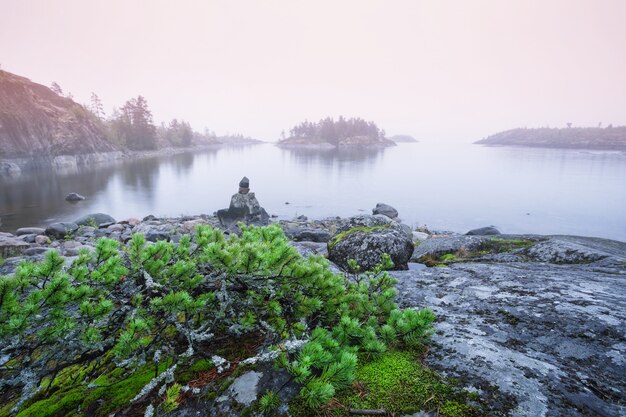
{"x": 244, "y": 207}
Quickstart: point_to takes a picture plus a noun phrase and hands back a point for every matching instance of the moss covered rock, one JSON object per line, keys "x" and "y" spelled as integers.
{"x": 368, "y": 242}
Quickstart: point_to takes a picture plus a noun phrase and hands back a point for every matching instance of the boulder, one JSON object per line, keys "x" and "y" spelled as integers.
{"x": 61, "y": 229}
{"x": 74, "y": 197}
{"x": 42, "y": 239}
{"x": 11, "y": 246}
{"x": 30, "y": 231}
{"x": 366, "y": 245}
{"x": 28, "y": 238}
{"x": 483, "y": 231}
{"x": 97, "y": 218}
{"x": 190, "y": 225}
{"x": 116, "y": 227}
{"x": 385, "y": 210}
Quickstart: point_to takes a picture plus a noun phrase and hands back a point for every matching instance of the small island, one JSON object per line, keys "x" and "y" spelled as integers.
{"x": 328, "y": 133}
{"x": 599, "y": 138}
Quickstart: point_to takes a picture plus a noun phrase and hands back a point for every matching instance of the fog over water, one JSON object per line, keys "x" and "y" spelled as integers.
{"x": 451, "y": 187}
{"x": 435, "y": 69}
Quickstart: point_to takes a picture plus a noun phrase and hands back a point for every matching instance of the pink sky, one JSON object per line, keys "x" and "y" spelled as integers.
{"x": 439, "y": 70}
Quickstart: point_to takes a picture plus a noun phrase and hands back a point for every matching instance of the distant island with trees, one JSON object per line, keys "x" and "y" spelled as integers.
{"x": 600, "y": 138}
{"x": 332, "y": 133}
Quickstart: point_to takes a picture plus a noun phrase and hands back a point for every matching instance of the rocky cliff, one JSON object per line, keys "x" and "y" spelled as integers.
{"x": 609, "y": 138}
{"x": 37, "y": 123}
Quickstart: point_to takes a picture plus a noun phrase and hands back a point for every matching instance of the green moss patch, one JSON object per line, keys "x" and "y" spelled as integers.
{"x": 499, "y": 245}
{"x": 398, "y": 383}
{"x": 110, "y": 395}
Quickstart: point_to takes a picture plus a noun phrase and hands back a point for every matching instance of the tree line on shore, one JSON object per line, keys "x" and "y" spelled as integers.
{"x": 132, "y": 126}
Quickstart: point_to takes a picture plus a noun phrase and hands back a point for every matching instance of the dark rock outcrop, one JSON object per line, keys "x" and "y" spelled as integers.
{"x": 483, "y": 231}
{"x": 97, "y": 218}
{"x": 37, "y": 123}
{"x": 61, "y": 229}
{"x": 385, "y": 210}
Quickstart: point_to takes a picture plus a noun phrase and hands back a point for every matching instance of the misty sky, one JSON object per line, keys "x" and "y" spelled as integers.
{"x": 439, "y": 70}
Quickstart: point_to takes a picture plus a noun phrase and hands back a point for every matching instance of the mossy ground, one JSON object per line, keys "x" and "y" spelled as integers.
{"x": 488, "y": 247}
{"x": 399, "y": 383}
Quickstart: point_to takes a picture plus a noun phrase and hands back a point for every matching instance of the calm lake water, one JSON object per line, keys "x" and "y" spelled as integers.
{"x": 445, "y": 186}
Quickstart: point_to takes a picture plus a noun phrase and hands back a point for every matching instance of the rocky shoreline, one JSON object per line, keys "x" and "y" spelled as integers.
{"x": 536, "y": 325}
{"x": 12, "y": 167}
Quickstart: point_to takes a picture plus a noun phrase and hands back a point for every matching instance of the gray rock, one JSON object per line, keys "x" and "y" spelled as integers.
{"x": 306, "y": 234}
{"x": 483, "y": 231}
{"x": 546, "y": 339}
{"x": 437, "y": 246}
{"x": 42, "y": 240}
{"x": 30, "y": 231}
{"x": 86, "y": 230}
{"x": 245, "y": 389}
{"x": 97, "y": 218}
{"x": 311, "y": 248}
{"x": 73, "y": 197}
{"x": 11, "y": 246}
{"x": 154, "y": 230}
{"x": 61, "y": 229}
{"x": 419, "y": 236}
{"x": 385, "y": 210}
{"x": 363, "y": 220}
{"x": 116, "y": 227}
{"x": 28, "y": 238}
{"x": 36, "y": 251}
{"x": 366, "y": 245}
{"x": 573, "y": 250}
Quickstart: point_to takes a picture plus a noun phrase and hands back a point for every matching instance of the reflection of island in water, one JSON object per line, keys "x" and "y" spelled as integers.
{"x": 341, "y": 157}
{"x": 38, "y": 197}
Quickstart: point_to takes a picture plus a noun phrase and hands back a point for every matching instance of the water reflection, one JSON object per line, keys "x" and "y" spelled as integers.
{"x": 449, "y": 187}
{"x": 342, "y": 157}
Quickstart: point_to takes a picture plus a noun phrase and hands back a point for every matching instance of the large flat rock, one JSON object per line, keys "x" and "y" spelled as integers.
{"x": 537, "y": 338}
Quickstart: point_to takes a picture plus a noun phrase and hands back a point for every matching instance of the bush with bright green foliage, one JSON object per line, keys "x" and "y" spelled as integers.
{"x": 123, "y": 308}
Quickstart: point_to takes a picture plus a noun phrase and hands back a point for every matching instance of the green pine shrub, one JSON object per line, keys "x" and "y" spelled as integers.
{"x": 117, "y": 311}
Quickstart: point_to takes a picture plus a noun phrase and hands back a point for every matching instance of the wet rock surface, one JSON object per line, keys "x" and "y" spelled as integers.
{"x": 550, "y": 338}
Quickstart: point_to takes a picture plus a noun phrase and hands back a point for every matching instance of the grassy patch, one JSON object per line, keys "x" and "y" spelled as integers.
{"x": 398, "y": 383}
{"x": 488, "y": 247}
{"x": 499, "y": 245}
{"x": 341, "y": 236}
